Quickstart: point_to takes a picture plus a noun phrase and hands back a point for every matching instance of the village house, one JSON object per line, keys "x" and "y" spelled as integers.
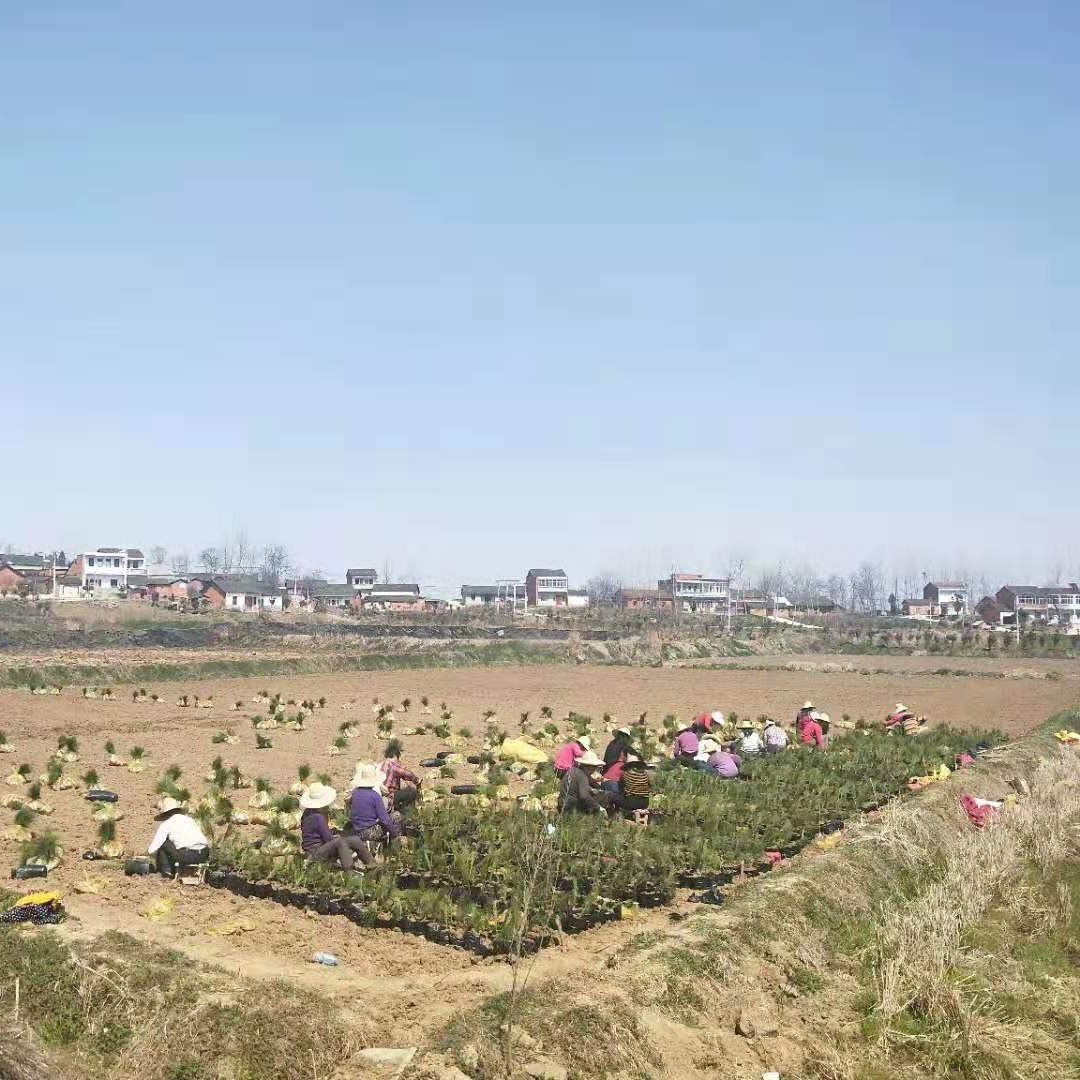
{"x": 918, "y": 608}
{"x": 632, "y": 599}
{"x": 762, "y": 605}
{"x": 577, "y": 598}
{"x": 166, "y": 588}
{"x": 504, "y": 594}
{"x": 325, "y": 594}
{"x": 1057, "y": 605}
{"x": 23, "y": 575}
{"x": 360, "y": 581}
{"x": 390, "y": 597}
{"x": 694, "y": 592}
{"x": 946, "y": 597}
{"x": 240, "y": 592}
{"x": 105, "y": 571}
{"x": 547, "y": 588}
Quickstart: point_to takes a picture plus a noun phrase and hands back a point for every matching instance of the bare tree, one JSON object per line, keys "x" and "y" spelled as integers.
{"x": 835, "y": 589}
{"x": 803, "y": 585}
{"x": 210, "y": 559}
{"x": 771, "y": 580}
{"x": 242, "y": 551}
{"x": 603, "y": 589}
{"x": 158, "y": 554}
{"x": 275, "y": 564}
{"x": 181, "y": 564}
{"x": 867, "y": 585}
{"x": 387, "y": 571}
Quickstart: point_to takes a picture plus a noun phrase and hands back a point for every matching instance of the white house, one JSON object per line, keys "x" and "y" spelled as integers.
{"x": 328, "y": 595}
{"x": 107, "y": 570}
{"x": 361, "y": 581}
{"x": 947, "y": 597}
{"x": 694, "y": 592}
{"x": 239, "y": 592}
{"x": 504, "y": 594}
{"x": 547, "y": 588}
{"x": 577, "y": 598}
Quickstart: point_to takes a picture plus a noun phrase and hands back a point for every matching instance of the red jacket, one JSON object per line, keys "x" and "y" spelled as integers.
{"x": 811, "y": 733}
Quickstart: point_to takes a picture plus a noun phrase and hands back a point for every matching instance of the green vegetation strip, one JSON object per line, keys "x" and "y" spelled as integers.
{"x": 465, "y": 879}
{"x": 500, "y": 653}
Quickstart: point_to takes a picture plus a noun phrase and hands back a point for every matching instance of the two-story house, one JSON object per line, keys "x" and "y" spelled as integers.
{"x": 694, "y": 592}
{"x": 1056, "y": 604}
{"x": 361, "y": 581}
{"x": 946, "y": 597}
{"x": 110, "y": 570}
{"x": 547, "y": 588}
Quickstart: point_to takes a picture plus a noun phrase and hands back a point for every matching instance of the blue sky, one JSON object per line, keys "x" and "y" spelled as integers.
{"x": 470, "y": 287}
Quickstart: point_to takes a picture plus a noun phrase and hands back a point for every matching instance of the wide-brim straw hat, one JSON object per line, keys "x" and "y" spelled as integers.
{"x": 589, "y": 758}
{"x": 317, "y": 797}
{"x": 900, "y": 707}
{"x": 708, "y": 746}
{"x": 621, "y": 731}
{"x": 807, "y": 704}
{"x": 717, "y": 717}
{"x": 169, "y": 806}
{"x": 585, "y": 741}
{"x": 367, "y": 775}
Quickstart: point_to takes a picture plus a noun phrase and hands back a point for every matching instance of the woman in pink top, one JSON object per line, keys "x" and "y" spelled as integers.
{"x": 569, "y": 753}
{"x": 686, "y": 746}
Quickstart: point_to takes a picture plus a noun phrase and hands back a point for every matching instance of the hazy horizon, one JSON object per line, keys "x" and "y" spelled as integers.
{"x": 614, "y": 289}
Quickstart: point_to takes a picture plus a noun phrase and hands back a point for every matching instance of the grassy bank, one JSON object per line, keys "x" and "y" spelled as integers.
{"x": 496, "y": 654}
{"x": 919, "y": 947}
{"x": 117, "y": 1008}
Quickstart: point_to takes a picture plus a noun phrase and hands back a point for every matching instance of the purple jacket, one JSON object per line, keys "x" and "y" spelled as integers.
{"x": 366, "y": 808}
{"x": 725, "y": 764}
{"x": 314, "y": 830}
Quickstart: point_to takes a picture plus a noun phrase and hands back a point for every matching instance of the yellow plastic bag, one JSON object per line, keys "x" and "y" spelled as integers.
{"x": 38, "y": 898}
{"x": 520, "y": 750}
{"x": 158, "y": 909}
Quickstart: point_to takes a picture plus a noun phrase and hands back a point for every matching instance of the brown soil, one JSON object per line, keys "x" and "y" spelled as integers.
{"x": 403, "y": 971}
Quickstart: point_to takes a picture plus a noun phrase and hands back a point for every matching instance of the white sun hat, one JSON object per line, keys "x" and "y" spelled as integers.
{"x": 589, "y": 758}
{"x": 317, "y": 797}
{"x": 367, "y": 775}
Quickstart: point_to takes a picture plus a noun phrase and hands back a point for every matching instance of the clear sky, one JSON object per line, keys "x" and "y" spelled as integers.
{"x": 475, "y": 287}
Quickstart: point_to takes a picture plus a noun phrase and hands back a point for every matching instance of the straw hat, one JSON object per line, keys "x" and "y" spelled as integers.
{"x": 717, "y": 717}
{"x": 746, "y": 725}
{"x": 317, "y": 797}
{"x": 808, "y": 704}
{"x": 900, "y": 707}
{"x": 167, "y": 807}
{"x": 367, "y": 775}
{"x": 619, "y": 731}
{"x": 589, "y": 758}
{"x": 585, "y": 740}
{"x": 708, "y": 746}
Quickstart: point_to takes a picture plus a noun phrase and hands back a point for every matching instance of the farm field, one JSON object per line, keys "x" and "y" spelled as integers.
{"x": 265, "y": 940}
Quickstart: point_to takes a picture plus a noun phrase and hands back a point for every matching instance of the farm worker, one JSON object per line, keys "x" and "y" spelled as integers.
{"x": 686, "y": 746}
{"x": 570, "y": 752}
{"x": 179, "y": 841}
{"x": 576, "y": 795}
{"x": 635, "y": 787}
{"x": 616, "y": 749}
{"x": 721, "y": 762}
{"x": 393, "y": 773}
{"x": 775, "y": 737}
{"x": 801, "y": 715}
{"x": 702, "y": 723}
{"x": 811, "y": 733}
{"x": 750, "y": 743}
{"x": 615, "y": 760}
{"x": 368, "y": 816}
{"x": 716, "y": 721}
{"x": 317, "y": 840}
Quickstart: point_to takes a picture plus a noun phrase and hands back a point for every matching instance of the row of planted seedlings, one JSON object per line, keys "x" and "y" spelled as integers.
{"x": 465, "y": 878}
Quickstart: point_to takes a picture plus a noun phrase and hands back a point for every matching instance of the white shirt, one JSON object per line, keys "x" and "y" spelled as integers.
{"x": 776, "y": 736}
{"x": 751, "y": 743}
{"x": 182, "y": 830}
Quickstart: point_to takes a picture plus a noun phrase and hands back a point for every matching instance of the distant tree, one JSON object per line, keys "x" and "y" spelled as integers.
{"x": 275, "y": 564}
{"x": 387, "y": 571}
{"x": 158, "y": 554}
{"x": 603, "y": 589}
{"x": 210, "y": 559}
{"x": 894, "y": 607}
{"x": 181, "y": 564}
{"x": 866, "y": 588}
{"x": 241, "y": 550}
{"x": 835, "y": 589}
